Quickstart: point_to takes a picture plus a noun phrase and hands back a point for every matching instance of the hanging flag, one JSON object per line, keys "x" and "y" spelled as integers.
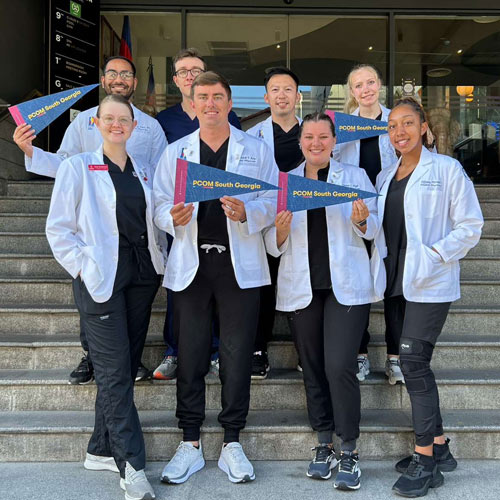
{"x": 300, "y": 193}
{"x": 150, "y": 92}
{"x": 195, "y": 182}
{"x": 126, "y": 41}
{"x": 352, "y": 128}
{"x": 41, "y": 112}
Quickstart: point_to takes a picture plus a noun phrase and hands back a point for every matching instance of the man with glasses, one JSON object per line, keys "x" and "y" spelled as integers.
{"x": 145, "y": 145}
{"x": 177, "y": 122}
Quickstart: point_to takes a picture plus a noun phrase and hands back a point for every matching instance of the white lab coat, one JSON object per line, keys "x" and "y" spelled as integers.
{"x": 264, "y": 130}
{"x": 351, "y": 275}
{"x": 246, "y": 156}
{"x": 145, "y": 145}
{"x": 348, "y": 152}
{"x": 81, "y": 226}
{"x": 441, "y": 211}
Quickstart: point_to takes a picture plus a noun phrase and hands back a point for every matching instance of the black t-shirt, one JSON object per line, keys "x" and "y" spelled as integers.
{"x": 395, "y": 236}
{"x": 369, "y": 156}
{"x": 130, "y": 204}
{"x": 317, "y": 240}
{"x": 286, "y": 148}
{"x": 212, "y": 223}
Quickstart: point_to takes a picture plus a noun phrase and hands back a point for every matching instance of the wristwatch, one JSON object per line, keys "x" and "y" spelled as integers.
{"x": 361, "y": 223}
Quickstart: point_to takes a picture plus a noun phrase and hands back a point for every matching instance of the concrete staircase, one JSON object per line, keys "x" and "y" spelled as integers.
{"x": 42, "y": 418}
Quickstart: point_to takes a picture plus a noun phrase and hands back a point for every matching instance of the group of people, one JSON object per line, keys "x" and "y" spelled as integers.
{"x": 231, "y": 262}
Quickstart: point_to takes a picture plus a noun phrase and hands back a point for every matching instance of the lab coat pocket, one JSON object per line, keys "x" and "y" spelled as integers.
{"x": 431, "y": 203}
{"x": 432, "y": 272}
{"x": 91, "y": 273}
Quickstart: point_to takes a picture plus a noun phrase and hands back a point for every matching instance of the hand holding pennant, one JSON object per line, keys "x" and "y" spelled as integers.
{"x": 41, "y": 112}
{"x": 352, "y": 128}
{"x": 300, "y": 193}
{"x": 195, "y": 182}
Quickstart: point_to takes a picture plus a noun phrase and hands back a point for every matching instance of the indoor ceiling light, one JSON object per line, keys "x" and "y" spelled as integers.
{"x": 438, "y": 72}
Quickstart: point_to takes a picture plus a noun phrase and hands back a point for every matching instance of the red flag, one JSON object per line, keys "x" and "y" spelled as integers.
{"x": 126, "y": 41}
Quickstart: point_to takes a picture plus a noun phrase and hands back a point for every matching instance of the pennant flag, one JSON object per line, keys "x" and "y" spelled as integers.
{"x": 195, "y": 182}
{"x": 300, "y": 193}
{"x": 126, "y": 41}
{"x": 352, "y": 128}
{"x": 150, "y": 92}
{"x": 41, "y": 112}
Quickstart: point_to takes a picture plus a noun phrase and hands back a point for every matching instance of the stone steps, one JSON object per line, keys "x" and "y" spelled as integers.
{"x": 48, "y": 390}
{"x": 269, "y": 434}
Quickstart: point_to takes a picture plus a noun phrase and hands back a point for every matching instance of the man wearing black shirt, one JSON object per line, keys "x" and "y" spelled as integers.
{"x": 281, "y": 133}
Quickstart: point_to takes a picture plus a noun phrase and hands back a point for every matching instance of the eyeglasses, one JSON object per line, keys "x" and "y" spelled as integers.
{"x": 124, "y": 75}
{"x": 124, "y": 121}
{"x": 184, "y": 72}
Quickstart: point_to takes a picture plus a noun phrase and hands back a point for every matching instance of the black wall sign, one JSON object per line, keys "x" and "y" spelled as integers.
{"x": 73, "y": 55}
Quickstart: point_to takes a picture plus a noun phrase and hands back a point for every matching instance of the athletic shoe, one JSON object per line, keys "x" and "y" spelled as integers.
{"x": 393, "y": 371}
{"x": 83, "y": 373}
{"x": 349, "y": 472}
{"x": 260, "y": 365}
{"x": 421, "y": 474}
{"x": 95, "y": 462}
{"x": 167, "y": 369}
{"x": 442, "y": 455}
{"x": 187, "y": 460}
{"x": 235, "y": 464}
{"x": 299, "y": 366}
{"x": 323, "y": 463}
{"x": 214, "y": 367}
{"x": 136, "y": 484}
{"x": 363, "y": 368}
{"x": 142, "y": 373}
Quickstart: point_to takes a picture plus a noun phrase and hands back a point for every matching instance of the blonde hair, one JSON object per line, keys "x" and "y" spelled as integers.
{"x": 351, "y": 104}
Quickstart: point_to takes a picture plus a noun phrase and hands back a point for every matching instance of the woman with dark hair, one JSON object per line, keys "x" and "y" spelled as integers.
{"x": 100, "y": 228}
{"x": 326, "y": 285}
{"x": 431, "y": 219}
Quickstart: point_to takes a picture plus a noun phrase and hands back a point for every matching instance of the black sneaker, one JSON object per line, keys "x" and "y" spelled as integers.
{"x": 143, "y": 373}
{"x": 442, "y": 455}
{"x": 349, "y": 472}
{"x": 323, "y": 463}
{"x": 260, "y": 365}
{"x": 83, "y": 373}
{"x": 421, "y": 474}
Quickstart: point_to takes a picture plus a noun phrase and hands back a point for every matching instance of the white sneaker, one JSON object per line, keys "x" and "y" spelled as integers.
{"x": 235, "y": 464}
{"x": 95, "y": 462}
{"x": 136, "y": 484}
{"x": 214, "y": 367}
{"x": 393, "y": 371}
{"x": 187, "y": 460}
{"x": 363, "y": 368}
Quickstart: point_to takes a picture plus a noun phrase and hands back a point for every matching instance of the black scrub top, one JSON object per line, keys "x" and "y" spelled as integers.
{"x": 130, "y": 204}
{"x": 286, "y": 148}
{"x": 317, "y": 241}
{"x": 369, "y": 155}
{"x": 212, "y": 224}
{"x": 395, "y": 236}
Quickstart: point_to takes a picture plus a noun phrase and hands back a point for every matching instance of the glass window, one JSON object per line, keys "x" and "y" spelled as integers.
{"x": 454, "y": 64}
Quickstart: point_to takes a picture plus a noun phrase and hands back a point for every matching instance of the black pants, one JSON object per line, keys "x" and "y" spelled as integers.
{"x": 214, "y": 286}
{"x": 327, "y": 335}
{"x": 267, "y": 309}
{"x": 419, "y": 326}
{"x": 116, "y": 332}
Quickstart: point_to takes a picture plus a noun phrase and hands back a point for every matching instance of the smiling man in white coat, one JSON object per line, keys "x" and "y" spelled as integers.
{"x": 146, "y": 145}
{"x": 217, "y": 260}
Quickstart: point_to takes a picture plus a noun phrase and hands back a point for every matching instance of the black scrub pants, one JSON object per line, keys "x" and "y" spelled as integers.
{"x": 214, "y": 286}
{"x": 116, "y": 331}
{"x": 419, "y": 326}
{"x": 327, "y": 335}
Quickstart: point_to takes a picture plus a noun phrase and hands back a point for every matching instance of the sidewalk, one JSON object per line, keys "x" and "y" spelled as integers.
{"x": 275, "y": 481}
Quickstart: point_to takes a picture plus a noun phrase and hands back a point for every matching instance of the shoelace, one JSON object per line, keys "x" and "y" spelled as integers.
{"x": 167, "y": 359}
{"x": 322, "y": 453}
{"x": 181, "y": 452}
{"x": 84, "y": 364}
{"x": 133, "y": 476}
{"x": 236, "y": 453}
{"x": 415, "y": 467}
{"x": 207, "y": 247}
{"x": 347, "y": 464}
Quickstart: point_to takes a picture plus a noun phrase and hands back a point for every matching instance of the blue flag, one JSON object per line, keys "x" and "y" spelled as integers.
{"x": 352, "y": 128}
{"x": 300, "y": 193}
{"x": 195, "y": 182}
{"x": 41, "y": 112}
